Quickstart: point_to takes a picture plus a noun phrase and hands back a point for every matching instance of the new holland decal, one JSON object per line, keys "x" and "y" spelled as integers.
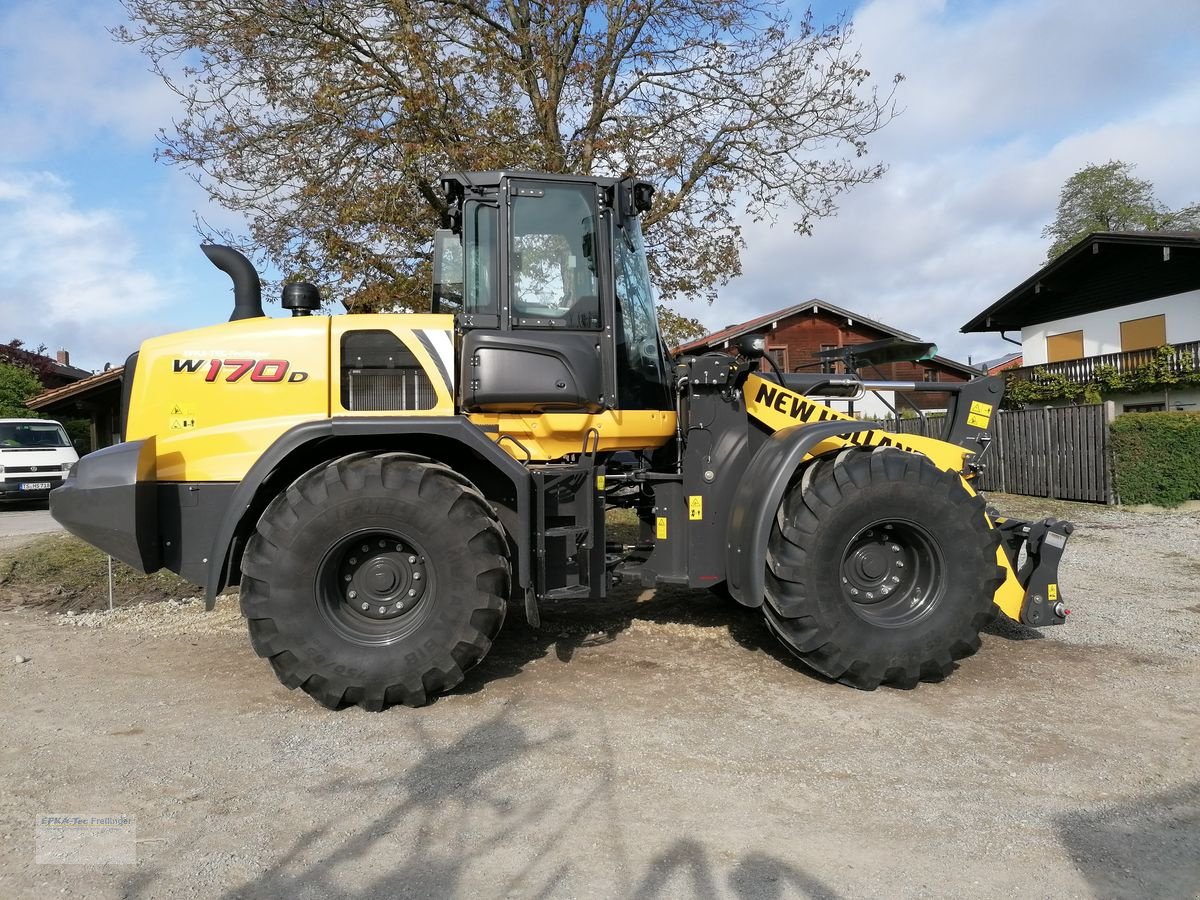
{"x": 779, "y": 407}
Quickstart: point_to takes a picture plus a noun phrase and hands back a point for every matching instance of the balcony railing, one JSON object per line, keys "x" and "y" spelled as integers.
{"x": 1184, "y": 358}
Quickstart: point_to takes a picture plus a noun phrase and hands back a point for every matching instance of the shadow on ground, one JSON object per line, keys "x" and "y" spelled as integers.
{"x": 1150, "y": 848}
{"x": 467, "y": 818}
{"x": 570, "y": 627}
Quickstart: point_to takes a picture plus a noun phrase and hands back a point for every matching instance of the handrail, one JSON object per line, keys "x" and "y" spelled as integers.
{"x": 1084, "y": 369}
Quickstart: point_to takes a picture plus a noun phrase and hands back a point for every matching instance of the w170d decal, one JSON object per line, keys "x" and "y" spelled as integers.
{"x": 270, "y": 371}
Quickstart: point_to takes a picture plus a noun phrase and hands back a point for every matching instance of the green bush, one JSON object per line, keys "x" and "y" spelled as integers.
{"x": 1157, "y": 457}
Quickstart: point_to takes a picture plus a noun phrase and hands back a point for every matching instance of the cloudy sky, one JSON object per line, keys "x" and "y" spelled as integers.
{"x": 1002, "y": 102}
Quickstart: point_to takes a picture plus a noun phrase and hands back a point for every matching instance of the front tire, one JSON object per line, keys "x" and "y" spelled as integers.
{"x": 375, "y": 580}
{"x": 881, "y": 568}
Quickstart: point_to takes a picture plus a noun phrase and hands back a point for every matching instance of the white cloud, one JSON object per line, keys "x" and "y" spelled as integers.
{"x": 72, "y": 276}
{"x": 1003, "y": 102}
{"x": 64, "y": 81}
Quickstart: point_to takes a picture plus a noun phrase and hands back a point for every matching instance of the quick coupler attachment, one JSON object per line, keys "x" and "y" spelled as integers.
{"x": 1044, "y": 542}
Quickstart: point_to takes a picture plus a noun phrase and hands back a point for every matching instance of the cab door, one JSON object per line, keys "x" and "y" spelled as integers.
{"x": 553, "y": 349}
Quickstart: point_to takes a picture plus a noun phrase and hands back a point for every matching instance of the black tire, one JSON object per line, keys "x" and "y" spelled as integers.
{"x": 434, "y": 580}
{"x": 881, "y": 569}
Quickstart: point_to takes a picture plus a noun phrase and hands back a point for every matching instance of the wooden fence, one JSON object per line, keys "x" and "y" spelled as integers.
{"x": 1058, "y": 452}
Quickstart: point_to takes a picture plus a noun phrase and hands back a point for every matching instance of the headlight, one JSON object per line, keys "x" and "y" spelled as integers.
{"x": 66, "y": 467}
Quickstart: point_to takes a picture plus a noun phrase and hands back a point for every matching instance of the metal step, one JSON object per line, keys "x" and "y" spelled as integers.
{"x": 570, "y": 592}
{"x": 567, "y": 530}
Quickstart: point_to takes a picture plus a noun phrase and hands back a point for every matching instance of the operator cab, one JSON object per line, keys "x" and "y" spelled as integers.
{"x": 548, "y": 280}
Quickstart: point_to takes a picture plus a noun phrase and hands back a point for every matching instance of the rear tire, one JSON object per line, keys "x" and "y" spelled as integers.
{"x": 375, "y": 580}
{"x": 881, "y": 568}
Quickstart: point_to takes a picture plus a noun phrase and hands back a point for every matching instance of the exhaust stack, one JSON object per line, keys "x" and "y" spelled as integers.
{"x": 247, "y": 289}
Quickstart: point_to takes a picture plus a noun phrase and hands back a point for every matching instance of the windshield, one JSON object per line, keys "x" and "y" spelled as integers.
{"x": 32, "y": 436}
{"x": 641, "y": 365}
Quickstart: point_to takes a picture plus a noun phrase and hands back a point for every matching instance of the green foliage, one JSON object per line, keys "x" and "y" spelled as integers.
{"x": 677, "y": 329}
{"x": 80, "y": 433}
{"x": 325, "y": 124}
{"x": 17, "y": 384}
{"x": 1166, "y": 369}
{"x": 1110, "y": 198}
{"x": 1157, "y": 457}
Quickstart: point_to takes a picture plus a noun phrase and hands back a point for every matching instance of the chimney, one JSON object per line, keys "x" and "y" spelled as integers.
{"x": 64, "y": 358}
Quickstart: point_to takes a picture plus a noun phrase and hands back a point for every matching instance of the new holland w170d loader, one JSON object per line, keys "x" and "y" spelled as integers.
{"x": 383, "y": 486}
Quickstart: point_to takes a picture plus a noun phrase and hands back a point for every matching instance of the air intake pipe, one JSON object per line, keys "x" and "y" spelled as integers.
{"x": 247, "y": 289}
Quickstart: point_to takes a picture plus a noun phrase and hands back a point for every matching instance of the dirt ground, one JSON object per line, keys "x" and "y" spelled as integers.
{"x": 656, "y": 745}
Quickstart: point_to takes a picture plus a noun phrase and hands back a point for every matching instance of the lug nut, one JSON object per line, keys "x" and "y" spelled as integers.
{"x": 399, "y": 547}
{"x": 382, "y": 610}
{"x": 353, "y": 560}
{"x": 352, "y": 594}
{"x": 870, "y": 596}
{"x": 383, "y": 543}
{"x": 366, "y": 548}
{"x": 899, "y": 564}
{"x": 895, "y": 548}
{"x": 411, "y": 592}
{"x": 895, "y": 579}
{"x": 347, "y": 577}
{"x": 411, "y": 560}
{"x": 853, "y": 592}
{"x": 416, "y": 576}
{"x": 365, "y": 606}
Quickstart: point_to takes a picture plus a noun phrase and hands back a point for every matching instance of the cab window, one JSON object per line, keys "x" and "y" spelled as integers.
{"x": 552, "y": 257}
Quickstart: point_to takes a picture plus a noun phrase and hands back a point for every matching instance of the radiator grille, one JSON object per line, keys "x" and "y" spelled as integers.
{"x": 387, "y": 389}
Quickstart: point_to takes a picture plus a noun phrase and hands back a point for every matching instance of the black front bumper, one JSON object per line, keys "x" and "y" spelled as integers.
{"x": 109, "y": 502}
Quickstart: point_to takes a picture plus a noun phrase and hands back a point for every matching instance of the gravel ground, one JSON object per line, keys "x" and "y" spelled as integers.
{"x": 655, "y": 745}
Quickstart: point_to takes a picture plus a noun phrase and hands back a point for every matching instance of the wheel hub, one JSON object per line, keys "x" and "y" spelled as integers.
{"x": 891, "y": 572}
{"x": 381, "y": 578}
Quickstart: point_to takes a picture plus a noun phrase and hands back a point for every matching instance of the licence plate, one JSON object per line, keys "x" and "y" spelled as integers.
{"x": 35, "y": 486}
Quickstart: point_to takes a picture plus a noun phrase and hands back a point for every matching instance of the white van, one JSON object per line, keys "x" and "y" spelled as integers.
{"x": 35, "y": 456}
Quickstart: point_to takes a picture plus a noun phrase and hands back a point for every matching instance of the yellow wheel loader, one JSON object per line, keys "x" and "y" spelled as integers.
{"x": 382, "y": 487}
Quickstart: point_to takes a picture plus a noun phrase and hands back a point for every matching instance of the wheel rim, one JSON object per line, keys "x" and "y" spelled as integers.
{"x": 892, "y": 573}
{"x": 373, "y": 587}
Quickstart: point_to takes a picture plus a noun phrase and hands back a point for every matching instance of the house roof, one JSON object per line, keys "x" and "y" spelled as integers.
{"x": 48, "y": 363}
{"x": 76, "y": 391}
{"x": 730, "y": 332}
{"x": 1106, "y": 269}
{"x": 1000, "y": 361}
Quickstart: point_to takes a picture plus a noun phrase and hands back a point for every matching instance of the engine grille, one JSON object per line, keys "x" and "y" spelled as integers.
{"x": 385, "y": 389}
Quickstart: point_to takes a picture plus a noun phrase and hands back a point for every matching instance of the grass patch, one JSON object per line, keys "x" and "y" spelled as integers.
{"x": 60, "y": 572}
{"x": 622, "y": 526}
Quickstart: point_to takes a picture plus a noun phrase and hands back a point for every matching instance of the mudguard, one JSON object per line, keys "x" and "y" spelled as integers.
{"x": 221, "y": 559}
{"x": 758, "y": 497}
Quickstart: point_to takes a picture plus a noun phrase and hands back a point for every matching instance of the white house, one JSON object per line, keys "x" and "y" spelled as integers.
{"x": 1113, "y": 299}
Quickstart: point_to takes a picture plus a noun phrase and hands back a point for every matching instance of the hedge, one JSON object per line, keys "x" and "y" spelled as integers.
{"x": 1156, "y": 457}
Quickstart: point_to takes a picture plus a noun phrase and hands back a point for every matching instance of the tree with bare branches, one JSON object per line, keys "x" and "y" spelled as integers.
{"x": 326, "y": 122}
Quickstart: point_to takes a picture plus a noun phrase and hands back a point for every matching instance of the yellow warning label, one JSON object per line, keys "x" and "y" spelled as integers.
{"x": 1052, "y": 592}
{"x": 660, "y": 528}
{"x": 599, "y": 482}
{"x": 695, "y": 508}
{"x": 180, "y": 418}
{"x": 980, "y": 415}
